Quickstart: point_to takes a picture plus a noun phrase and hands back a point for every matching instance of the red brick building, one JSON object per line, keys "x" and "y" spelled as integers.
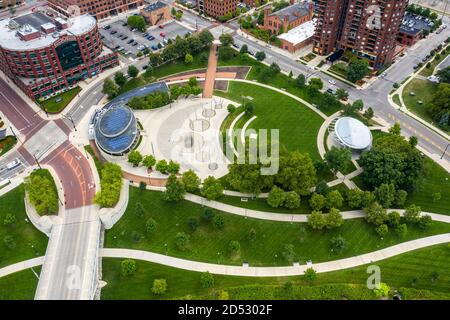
{"x": 45, "y": 54}
{"x": 217, "y": 8}
{"x": 98, "y": 8}
{"x": 288, "y": 18}
{"x": 366, "y": 28}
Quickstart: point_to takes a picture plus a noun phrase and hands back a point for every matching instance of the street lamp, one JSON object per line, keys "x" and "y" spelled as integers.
{"x": 443, "y": 154}
{"x": 71, "y": 120}
{"x": 36, "y": 159}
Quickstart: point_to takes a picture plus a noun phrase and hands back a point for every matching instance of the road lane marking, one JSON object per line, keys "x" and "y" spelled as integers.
{"x": 9, "y": 101}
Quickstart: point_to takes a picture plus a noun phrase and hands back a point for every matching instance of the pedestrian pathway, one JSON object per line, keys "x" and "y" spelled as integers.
{"x": 208, "y": 88}
{"x": 294, "y": 270}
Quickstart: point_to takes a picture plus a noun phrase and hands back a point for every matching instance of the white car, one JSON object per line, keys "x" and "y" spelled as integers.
{"x": 13, "y": 164}
{"x": 331, "y": 81}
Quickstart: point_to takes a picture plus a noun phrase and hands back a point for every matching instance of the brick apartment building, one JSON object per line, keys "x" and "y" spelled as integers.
{"x": 156, "y": 13}
{"x": 367, "y": 28}
{"x": 98, "y": 8}
{"x": 288, "y": 18}
{"x": 217, "y": 8}
{"x": 44, "y": 53}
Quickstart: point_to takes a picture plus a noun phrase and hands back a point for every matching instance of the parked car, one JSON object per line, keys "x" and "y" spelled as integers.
{"x": 134, "y": 44}
{"x": 144, "y": 67}
{"x": 331, "y": 81}
{"x": 124, "y": 24}
{"x": 125, "y": 38}
{"x": 130, "y": 41}
{"x": 330, "y": 91}
{"x": 107, "y": 27}
{"x": 113, "y": 32}
{"x": 162, "y": 34}
{"x": 13, "y": 164}
{"x": 154, "y": 47}
{"x": 161, "y": 26}
{"x": 150, "y": 37}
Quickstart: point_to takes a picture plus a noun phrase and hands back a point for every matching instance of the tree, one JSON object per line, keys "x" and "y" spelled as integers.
{"x": 368, "y": 114}
{"x": 218, "y": 222}
{"x": 208, "y": 214}
{"x": 206, "y": 280}
{"x": 137, "y": 22}
{"x": 393, "y": 219}
{"x": 395, "y": 129}
{"x": 226, "y": 39}
{"x": 400, "y": 198}
{"x": 322, "y": 187}
{"x": 159, "y": 286}
{"x": 357, "y": 69}
{"x": 296, "y": 173}
{"x": 354, "y": 198}
{"x": 128, "y": 267}
{"x": 192, "y": 223}
{"x": 288, "y": 253}
{"x": 300, "y": 81}
{"x": 42, "y": 194}
{"x": 9, "y": 219}
{"x": 149, "y": 161}
{"x": 274, "y": 68}
{"x": 338, "y": 244}
{"x": 338, "y": 158}
{"x": 413, "y": 141}
{"x": 317, "y": 201}
{"x": 385, "y": 194}
{"x": 260, "y": 55}
{"x": 139, "y": 210}
{"x": 276, "y": 197}
{"x": 401, "y": 230}
{"x": 436, "y": 196}
{"x": 439, "y": 108}
{"x": 367, "y": 198}
{"x": 244, "y": 49}
{"x": 173, "y": 167}
{"x": 252, "y": 235}
{"x": 425, "y": 222}
{"x": 316, "y": 220}
{"x": 382, "y": 291}
{"x": 190, "y": 181}
{"x": 412, "y": 214}
{"x": 231, "y": 108}
{"x": 188, "y": 58}
{"x": 9, "y": 242}
{"x": 444, "y": 75}
{"x": 334, "y": 199}
{"x": 376, "y": 214}
{"x": 391, "y": 160}
{"x": 382, "y": 230}
{"x": 133, "y": 71}
{"x": 119, "y": 78}
{"x": 212, "y": 188}
{"x": 234, "y": 247}
{"x": 154, "y": 59}
{"x": 174, "y": 189}
{"x": 110, "y": 88}
{"x": 341, "y": 94}
{"x": 151, "y": 226}
{"x": 315, "y": 84}
{"x": 248, "y": 108}
{"x": 162, "y": 166}
{"x": 310, "y": 274}
{"x": 223, "y": 295}
{"x": 181, "y": 240}
{"x": 135, "y": 158}
{"x": 111, "y": 185}
{"x": 334, "y": 219}
{"x": 206, "y": 37}
{"x": 292, "y": 200}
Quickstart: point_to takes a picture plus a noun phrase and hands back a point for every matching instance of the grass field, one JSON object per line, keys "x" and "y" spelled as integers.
{"x": 19, "y": 286}
{"x": 30, "y": 242}
{"x": 298, "y": 124}
{"x": 433, "y": 63}
{"x": 424, "y": 91}
{"x": 55, "y": 107}
{"x": 211, "y": 245}
{"x": 340, "y": 69}
{"x": 411, "y": 270}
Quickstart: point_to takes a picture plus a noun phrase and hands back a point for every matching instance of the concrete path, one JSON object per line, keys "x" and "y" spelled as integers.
{"x": 208, "y": 88}
{"x": 276, "y": 271}
{"x": 19, "y": 266}
{"x": 287, "y": 217}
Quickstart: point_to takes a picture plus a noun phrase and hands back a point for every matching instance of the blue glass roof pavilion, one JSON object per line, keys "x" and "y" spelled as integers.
{"x": 116, "y": 130}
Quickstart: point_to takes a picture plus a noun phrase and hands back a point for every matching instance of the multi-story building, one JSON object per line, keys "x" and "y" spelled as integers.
{"x": 98, "y": 8}
{"x": 367, "y": 28}
{"x": 288, "y": 18}
{"x": 44, "y": 53}
{"x": 217, "y": 8}
{"x": 156, "y": 13}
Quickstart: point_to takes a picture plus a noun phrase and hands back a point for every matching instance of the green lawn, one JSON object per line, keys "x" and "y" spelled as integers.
{"x": 340, "y": 69}
{"x": 19, "y": 286}
{"x": 51, "y": 104}
{"x": 398, "y": 272}
{"x": 424, "y": 91}
{"x": 429, "y": 71}
{"x": 30, "y": 242}
{"x": 436, "y": 180}
{"x": 206, "y": 242}
{"x": 46, "y": 174}
{"x": 298, "y": 124}
{"x": 396, "y": 99}
{"x": 7, "y": 144}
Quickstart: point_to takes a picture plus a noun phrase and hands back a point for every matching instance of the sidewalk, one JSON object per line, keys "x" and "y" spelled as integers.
{"x": 294, "y": 270}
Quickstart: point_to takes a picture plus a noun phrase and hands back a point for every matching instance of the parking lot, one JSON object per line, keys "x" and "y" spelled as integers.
{"x": 118, "y": 36}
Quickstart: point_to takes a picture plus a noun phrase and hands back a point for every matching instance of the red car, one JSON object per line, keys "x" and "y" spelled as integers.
{"x": 161, "y": 26}
{"x": 162, "y": 34}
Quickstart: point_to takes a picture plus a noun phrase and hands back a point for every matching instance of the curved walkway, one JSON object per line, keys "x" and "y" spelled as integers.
{"x": 276, "y": 271}
{"x": 23, "y": 265}
{"x": 287, "y": 217}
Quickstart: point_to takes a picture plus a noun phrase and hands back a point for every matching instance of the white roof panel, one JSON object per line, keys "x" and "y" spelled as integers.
{"x": 353, "y": 133}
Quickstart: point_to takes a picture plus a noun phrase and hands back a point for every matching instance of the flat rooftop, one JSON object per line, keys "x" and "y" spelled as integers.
{"x": 155, "y": 6}
{"x": 299, "y": 34}
{"x": 32, "y": 22}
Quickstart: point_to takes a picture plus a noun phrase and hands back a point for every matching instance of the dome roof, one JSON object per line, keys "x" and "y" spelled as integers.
{"x": 116, "y": 129}
{"x": 353, "y": 133}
